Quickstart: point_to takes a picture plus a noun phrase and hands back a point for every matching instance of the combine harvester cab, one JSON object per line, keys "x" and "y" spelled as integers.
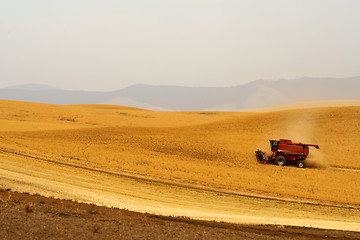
{"x": 284, "y": 151}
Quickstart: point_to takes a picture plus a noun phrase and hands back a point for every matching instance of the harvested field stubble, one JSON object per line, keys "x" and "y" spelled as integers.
{"x": 215, "y": 150}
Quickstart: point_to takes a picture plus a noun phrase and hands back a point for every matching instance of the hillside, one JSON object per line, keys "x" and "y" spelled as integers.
{"x": 256, "y": 94}
{"x": 214, "y": 149}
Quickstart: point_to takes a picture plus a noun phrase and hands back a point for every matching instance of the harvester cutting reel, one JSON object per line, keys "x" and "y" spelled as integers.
{"x": 261, "y": 157}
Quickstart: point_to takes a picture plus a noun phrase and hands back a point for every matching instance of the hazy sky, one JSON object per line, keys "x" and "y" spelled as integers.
{"x": 111, "y": 44}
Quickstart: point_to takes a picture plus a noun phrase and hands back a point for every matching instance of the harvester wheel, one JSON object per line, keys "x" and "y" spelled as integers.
{"x": 300, "y": 164}
{"x": 280, "y": 160}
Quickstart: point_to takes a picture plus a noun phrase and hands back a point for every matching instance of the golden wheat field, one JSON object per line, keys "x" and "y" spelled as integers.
{"x": 214, "y": 149}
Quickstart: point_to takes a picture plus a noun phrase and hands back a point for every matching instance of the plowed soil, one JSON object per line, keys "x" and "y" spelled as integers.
{"x": 24, "y": 216}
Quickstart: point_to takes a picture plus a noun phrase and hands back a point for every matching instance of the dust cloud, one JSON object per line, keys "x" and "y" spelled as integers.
{"x": 316, "y": 159}
{"x": 301, "y": 126}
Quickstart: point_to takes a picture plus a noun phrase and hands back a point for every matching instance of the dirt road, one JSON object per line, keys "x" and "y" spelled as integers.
{"x": 27, "y": 174}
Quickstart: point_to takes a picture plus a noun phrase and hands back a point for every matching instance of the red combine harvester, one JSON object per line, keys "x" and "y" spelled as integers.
{"x": 285, "y": 151}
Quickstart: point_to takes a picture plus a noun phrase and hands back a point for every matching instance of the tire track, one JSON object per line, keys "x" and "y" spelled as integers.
{"x": 336, "y": 168}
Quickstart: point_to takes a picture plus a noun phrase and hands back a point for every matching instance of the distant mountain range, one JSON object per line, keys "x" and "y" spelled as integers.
{"x": 257, "y": 94}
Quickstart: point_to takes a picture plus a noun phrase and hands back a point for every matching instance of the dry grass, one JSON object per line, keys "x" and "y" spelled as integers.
{"x": 210, "y": 149}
